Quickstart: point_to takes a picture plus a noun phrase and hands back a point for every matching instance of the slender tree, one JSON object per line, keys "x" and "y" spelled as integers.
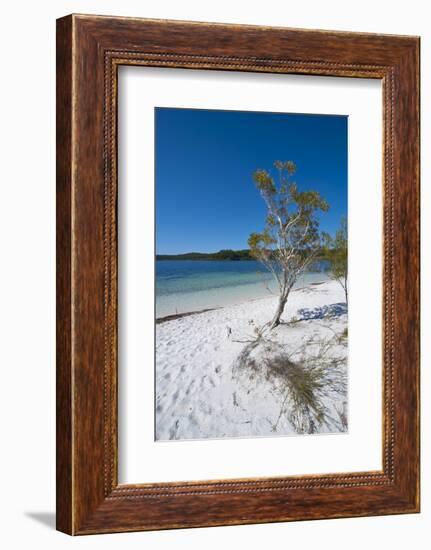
{"x": 336, "y": 254}
{"x": 290, "y": 239}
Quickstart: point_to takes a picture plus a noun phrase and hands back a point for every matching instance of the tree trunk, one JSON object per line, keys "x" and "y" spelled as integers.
{"x": 279, "y": 312}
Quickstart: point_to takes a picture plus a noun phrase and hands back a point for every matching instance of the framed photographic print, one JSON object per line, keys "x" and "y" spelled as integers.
{"x": 237, "y": 274}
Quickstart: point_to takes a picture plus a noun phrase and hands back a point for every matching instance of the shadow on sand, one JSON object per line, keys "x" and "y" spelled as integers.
{"x": 322, "y": 312}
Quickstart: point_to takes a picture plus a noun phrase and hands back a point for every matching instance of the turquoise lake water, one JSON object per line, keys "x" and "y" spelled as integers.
{"x": 192, "y": 285}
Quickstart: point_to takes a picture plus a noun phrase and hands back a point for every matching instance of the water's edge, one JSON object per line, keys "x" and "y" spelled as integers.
{"x": 188, "y": 286}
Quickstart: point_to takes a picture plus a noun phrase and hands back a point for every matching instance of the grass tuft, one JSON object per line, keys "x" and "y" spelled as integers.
{"x": 304, "y": 379}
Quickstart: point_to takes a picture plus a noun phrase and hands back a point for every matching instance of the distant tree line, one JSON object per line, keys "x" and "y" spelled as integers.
{"x": 220, "y": 255}
{"x": 228, "y": 254}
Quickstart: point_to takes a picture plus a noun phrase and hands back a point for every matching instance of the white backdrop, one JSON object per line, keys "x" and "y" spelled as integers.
{"x": 27, "y": 218}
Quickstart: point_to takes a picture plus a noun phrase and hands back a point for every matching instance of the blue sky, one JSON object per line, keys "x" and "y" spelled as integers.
{"x": 205, "y": 196}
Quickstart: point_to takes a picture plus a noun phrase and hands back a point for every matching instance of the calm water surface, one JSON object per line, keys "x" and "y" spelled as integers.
{"x": 192, "y": 285}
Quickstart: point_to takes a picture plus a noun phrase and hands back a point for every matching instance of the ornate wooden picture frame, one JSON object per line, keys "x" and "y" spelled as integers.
{"x": 89, "y": 51}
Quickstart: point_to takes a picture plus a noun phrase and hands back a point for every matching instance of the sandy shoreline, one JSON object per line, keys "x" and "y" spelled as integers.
{"x": 202, "y": 393}
{"x": 175, "y": 316}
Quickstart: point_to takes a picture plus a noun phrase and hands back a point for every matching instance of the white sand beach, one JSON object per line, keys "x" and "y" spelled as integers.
{"x": 205, "y": 388}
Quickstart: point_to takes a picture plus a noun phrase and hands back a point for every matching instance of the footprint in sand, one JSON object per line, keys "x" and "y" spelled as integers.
{"x": 206, "y": 382}
{"x": 191, "y": 386}
{"x": 175, "y": 396}
{"x": 235, "y": 400}
{"x": 205, "y": 407}
{"x": 174, "y": 430}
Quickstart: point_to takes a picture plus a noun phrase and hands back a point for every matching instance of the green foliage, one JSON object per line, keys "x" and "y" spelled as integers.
{"x": 291, "y": 223}
{"x": 288, "y": 165}
{"x": 290, "y": 238}
{"x": 335, "y": 251}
